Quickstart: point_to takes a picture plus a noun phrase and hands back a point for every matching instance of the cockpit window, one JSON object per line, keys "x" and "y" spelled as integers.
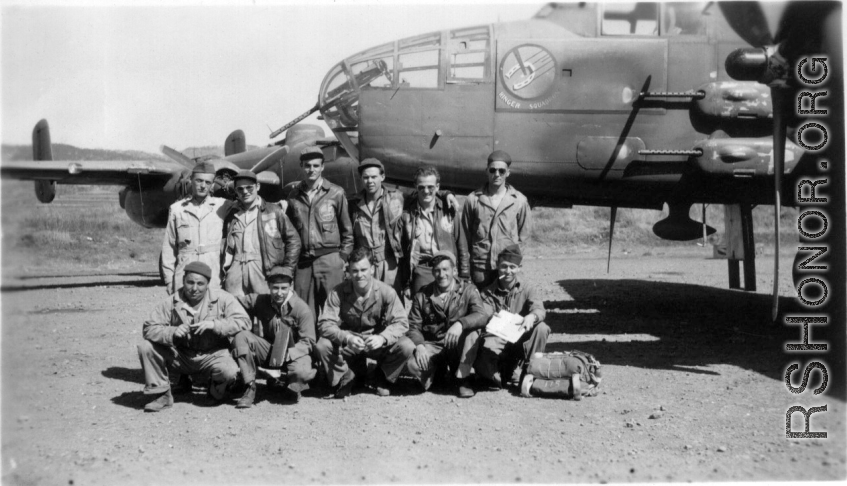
{"x": 419, "y": 69}
{"x": 375, "y": 73}
{"x": 469, "y": 53}
{"x": 684, "y": 18}
{"x": 426, "y": 40}
{"x": 630, "y": 19}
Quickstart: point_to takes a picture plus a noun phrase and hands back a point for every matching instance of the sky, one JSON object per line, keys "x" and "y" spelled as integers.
{"x": 137, "y": 77}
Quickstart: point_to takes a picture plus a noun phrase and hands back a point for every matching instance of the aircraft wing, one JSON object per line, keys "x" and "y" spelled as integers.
{"x": 106, "y": 172}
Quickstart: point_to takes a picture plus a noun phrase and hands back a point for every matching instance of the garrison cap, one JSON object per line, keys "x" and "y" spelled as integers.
{"x": 501, "y": 156}
{"x": 245, "y": 174}
{"x": 199, "y": 268}
{"x": 511, "y": 254}
{"x": 278, "y": 273}
{"x": 311, "y": 152}
{"x": 203, "y": 168}
{"x": 441, "y": 255}
{"x": 371, "y": 162}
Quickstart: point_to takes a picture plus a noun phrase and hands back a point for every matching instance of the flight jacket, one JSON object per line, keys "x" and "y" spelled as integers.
{"x": 279, "y": 243}
{"x": 218, "y": 306}
{"x": 490, "y": 230}
{"x": 430, "y": 321}
{"x": 448, "y": 235}
{"x": 380, "y": 313}
{"x": 295, "y": 314}
{"x": 324, "y": 223}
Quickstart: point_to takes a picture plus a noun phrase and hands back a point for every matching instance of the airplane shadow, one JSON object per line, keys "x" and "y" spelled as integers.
{"x": 144, "y": 282}
{"x": 687, "y": 327}
{"x": 80, "y": 275}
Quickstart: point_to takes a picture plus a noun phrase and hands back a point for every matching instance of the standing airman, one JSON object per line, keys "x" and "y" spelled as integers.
{"x": 376, "y": 222}
{"x": 318, "y": 209}
{"x": 494, "y": 217}
{"x": 194, "y": 230}
{"x": 430, "y": 225}
{"x": 259, "y": 236}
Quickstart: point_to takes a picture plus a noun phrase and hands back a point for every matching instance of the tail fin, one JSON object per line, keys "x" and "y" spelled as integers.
{"x": 235, "y": 143}
{"x": 45, "y": 191}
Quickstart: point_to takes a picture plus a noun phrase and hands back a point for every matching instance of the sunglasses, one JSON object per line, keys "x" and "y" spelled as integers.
{"x": 245, "y": 189}
{"x": 497, "y": 171}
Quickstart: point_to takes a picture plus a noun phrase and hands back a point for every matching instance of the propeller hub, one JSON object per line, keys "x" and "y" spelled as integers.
{"x": 747, "y": 64}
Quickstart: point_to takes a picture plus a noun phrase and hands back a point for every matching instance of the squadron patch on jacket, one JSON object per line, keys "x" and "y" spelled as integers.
{"x": 326, "y": 212}
{"x": 447, "y": 224}
{"x": 395, "y": 209}
{"x": 271, "y": 228}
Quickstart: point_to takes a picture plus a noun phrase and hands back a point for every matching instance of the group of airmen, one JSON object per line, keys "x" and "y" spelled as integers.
{"x": 406, "y": 283}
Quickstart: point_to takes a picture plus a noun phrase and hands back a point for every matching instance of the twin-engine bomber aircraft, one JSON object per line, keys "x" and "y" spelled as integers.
{"x": 605, "y": 104}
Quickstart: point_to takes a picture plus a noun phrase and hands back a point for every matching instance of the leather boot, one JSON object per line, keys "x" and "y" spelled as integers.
{"x": 163, "y": 401}
{"x": 246, "y": 400}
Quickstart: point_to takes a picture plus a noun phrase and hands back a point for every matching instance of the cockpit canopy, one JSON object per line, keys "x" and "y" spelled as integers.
{"x": 417, "y": 62}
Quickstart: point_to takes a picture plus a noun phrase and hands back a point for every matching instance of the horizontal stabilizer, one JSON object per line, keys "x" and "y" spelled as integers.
{"x": 108, "y": 172}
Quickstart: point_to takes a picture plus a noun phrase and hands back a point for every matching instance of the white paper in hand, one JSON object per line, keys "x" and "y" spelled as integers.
{"x": 506, "y": 325}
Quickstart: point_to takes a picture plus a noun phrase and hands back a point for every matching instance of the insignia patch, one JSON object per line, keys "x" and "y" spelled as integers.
{"x": 395, "y": 208}
{"x": 326, "y": 211}
{"x": 447, "y": 224}
{"x": 271, "y": 228}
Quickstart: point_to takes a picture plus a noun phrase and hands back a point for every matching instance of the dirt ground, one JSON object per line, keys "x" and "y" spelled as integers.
{"x": 675, "y": 344}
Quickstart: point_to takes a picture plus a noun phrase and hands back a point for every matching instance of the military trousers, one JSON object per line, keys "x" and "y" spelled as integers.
{"x": 483, "y": 277}
{"x": 158, "y": 359}
{"x": 421, "y": 277}
{"x": 245, "y": 276}
{"x": 390, "y": 359}
{"x": 498, "y": 359}
{"x": 315, "y": 279}
{"x": 251, "y": 351}
{"x": 457, "y": 361}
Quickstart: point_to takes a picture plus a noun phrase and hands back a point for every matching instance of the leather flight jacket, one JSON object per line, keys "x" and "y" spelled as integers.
{"x": 279, "y": 243}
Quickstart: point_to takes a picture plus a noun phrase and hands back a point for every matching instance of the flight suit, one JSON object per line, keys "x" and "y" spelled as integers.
{"x": 257, "y": 239}
{"x": 489, "y": 230}
{"x": 380, "y": 232}
{"x": 253, "y": 350}
{"x": 498, "y": 359}
{"x": 424, "y": 235}
{"x": 380, "y": 312}
{"x": 194, "y": 233}
{"x": 430, "y": 319}
{"x": 326, "y": 236}
{"x": 207, "y": 353}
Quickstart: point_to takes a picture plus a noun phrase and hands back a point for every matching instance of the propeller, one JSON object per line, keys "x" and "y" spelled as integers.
{"x": 768, "y": 65}
{"x": 176, "y": 156}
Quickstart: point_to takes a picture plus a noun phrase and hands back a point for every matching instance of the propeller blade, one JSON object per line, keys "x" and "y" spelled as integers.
{"x": 781, "y": 102}
{"x": 748, "y": 21}
{"x": 269, "y": 159}
{"x": 176, "y": 156}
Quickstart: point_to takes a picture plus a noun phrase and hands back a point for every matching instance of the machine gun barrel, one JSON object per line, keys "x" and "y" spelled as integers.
{"x": 295, "y": 121}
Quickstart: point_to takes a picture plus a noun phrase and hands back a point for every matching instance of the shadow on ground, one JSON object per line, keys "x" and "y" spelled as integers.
{"x": 696, "y": 327}
{"x": 143, "y": 282}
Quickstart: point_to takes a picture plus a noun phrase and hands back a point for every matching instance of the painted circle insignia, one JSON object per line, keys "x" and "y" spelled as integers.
{"x": 528, "y": 72}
